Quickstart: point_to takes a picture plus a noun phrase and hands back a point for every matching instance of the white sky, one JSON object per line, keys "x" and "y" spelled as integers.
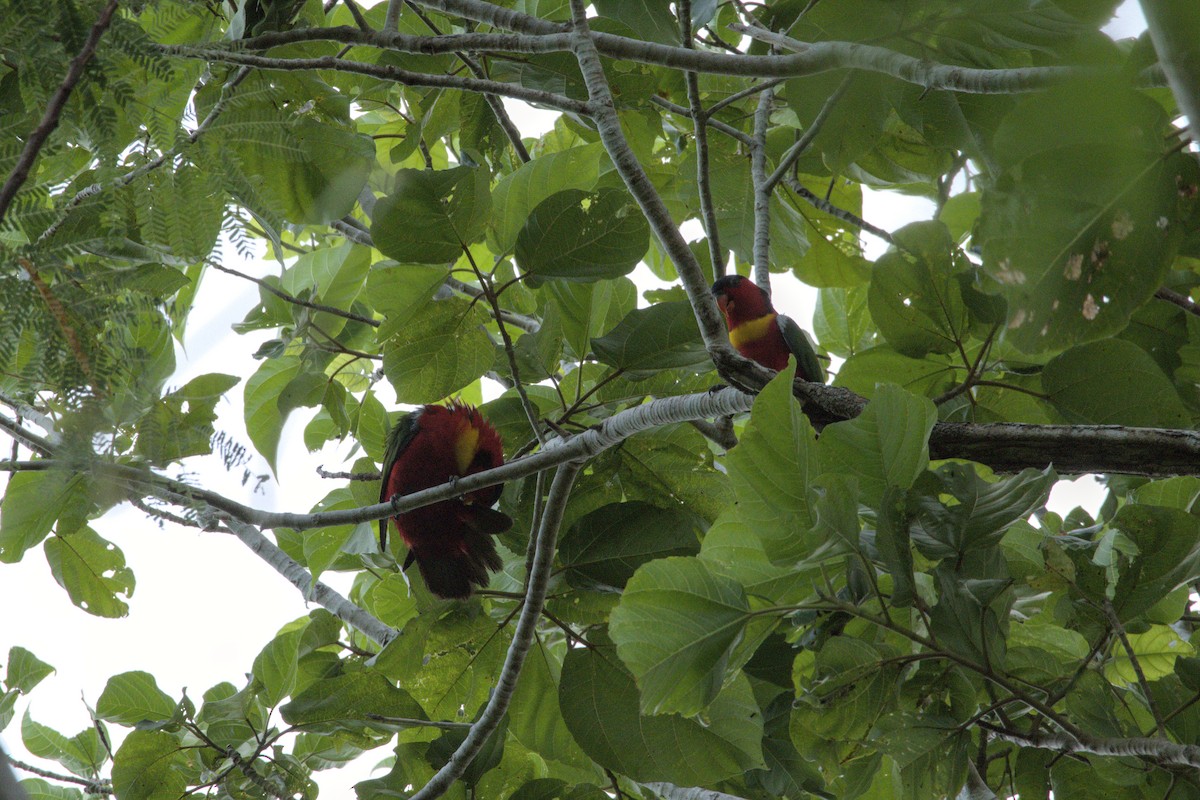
{"x": 204, "y": 605}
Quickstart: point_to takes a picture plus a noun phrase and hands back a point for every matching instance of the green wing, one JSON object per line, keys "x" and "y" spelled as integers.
{"x": 807, "y": 366}
{"x": 398, "y": 439}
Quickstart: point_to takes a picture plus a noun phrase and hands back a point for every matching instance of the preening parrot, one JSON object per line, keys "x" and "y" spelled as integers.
{"x": 761, "y": 334}
{"x": 450, "y": 541}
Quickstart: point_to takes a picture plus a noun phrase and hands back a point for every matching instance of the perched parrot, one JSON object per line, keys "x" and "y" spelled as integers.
{"x": 451, "y": 541}
{"x": 761, "y": 334}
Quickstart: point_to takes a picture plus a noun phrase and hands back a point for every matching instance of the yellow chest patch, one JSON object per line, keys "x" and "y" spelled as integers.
{"x": 465, "y": 447}
{"x": 751, "y": 331}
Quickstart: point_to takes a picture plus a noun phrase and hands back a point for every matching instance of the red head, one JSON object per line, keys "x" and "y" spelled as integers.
{"x": 740, "y": 300}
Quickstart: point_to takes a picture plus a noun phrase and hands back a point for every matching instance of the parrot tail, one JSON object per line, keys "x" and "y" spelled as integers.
{"x": 452, "y": 575}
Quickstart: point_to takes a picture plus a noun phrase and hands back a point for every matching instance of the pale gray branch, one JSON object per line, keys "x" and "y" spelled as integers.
{"x": 1156, "y": 750}
{"x": 1175, "y": 30}
{"x": 762, "y": 191}
{"x": 314, "y": 591}
{"x": 531, "y": 611}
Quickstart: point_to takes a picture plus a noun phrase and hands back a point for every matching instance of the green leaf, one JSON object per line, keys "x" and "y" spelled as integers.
{"x": 663, "y": 336}
{"x": 777, "y": 442}
{"x": 865, "y": 370}
{"x": 32, "y": 503}
{"x": 132, "y": 697}
{"x": 431, "y": 215}
{"x": 589, "y": 309}
{"x": 675, "y": 628}
{"x": 1168, "y": 543}
{"x": 605, "y": 547}
{"x": 264, "y": 418}
{"x": 651, "y": 19}
{"x": 1073, "y": 249}
{"x": 1113, "y": 382}
{"x": 1156, "y": 650}
{"x": 884, "y": 446}
{"x": 148, "y": 766}
{"x": 399, "y": 291}
{"x": 443, "y": 748}
{"x": 517, "y": 194}
{"x": 92, "y": 570}
{"x": 914, "y": 297}
{"x": 317, "y": 180}
{"x": 443, "y": 348}
{"x": 599, "y": 702}
{"x": 841, "y": 322}
{"x": 275, "y": 666}
{"x": 45, "y": 742}
{"x": 535, "y": 718}
{"x": 580, "y": 236}
{"x": 25, "y": 670}
{"x": 348, "y": 702}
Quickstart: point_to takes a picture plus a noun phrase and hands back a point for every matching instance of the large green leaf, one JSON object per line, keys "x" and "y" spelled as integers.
{"x": 442, "y": 348}
{"x": 33, "y": 501}
{"x": 264, "y": 417}
{"x": 915, "y": 298}
{"x": 886, "y": 445}
{"x": 580, "y": 236}
{"x": 599, "y": 702}
{"x": 517, "y": 194}
{"x": 131, "y": 697}
{"x": 604, "y": 547}
{"x": 1113, "y": 382}
{"x": 148, "y": 766}
{"x": 674, "y": 628}
{"x": 431, "y": 215}
{"x": 1168, "y": 542}
{"x": 663, "y": 336}
{"x": 92, "y": 570}
{"x": 25, "y": 670}
{"x": 316, "y": 180}
{"x": 772, "y": 467}
{"x": 1074, "y": 249}
{"x": 535, "y": 718}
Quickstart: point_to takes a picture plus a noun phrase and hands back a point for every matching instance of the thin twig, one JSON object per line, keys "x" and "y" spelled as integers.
{"x": 291, "y": 298}
{"x": 1182, "y": 300}
{"x": 708, "y": 214}
{"x": 523, "y": 634}
{"x": 54, "y": 108}
{"x": 802, "y": 144}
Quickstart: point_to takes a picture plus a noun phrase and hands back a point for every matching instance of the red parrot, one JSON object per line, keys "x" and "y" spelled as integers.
{"x": 761, "y": 334}
{"x": 451, "y": 541}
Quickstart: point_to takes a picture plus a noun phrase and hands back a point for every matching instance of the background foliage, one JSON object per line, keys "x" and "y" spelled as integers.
{"x": 832, "y": 615}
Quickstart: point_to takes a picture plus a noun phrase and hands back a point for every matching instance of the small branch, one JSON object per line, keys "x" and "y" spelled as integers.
{"x": 762, "y": 192}
{"x": 527, "y": 324}
{"x": 1175, "y": 29}
{"x": 669, "y": 791}
{"x": 1157, "y": 750}
{"x": 384, "y": 72}
{"x": 712, "y": 329}
{"x": 314, "y": 591}
{"x": 54, "y": 108}
{"x": 89, "y": 786}
{"x": 129, "y": 177}
{"x": 708, "y": 214}
{"x": 719, "y": 431}
{"x": 805, "y": 141}
{"x": 1115, "y": 622}
{"x": 822, "y": 204}
{"x": 407, "y": 722}
{"x": 506, "y": 684}
{"x": 1182, "y": 300}
{"x": 290, "y": 298}
{"x": 715, "y": 124}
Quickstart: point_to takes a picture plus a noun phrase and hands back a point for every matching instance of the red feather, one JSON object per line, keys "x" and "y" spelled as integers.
{"x": 451, "y": 541}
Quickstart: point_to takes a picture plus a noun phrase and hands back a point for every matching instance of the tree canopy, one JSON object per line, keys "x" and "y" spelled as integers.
{"x": 722, "y": 583}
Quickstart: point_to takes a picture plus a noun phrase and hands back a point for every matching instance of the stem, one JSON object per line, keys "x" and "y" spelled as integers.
{"x": 506, "y": 684}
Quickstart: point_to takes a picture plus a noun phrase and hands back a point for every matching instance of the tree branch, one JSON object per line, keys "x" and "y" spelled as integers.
{"x": 762, "y": 191}
{"x": 54, "y": 108}
{"x": 712, "y": 329}
{"x": 383, "y": 72}
{"x": 290, "y": 298}
{"x": 708, "y": 214}
{"x": 531, "y": 612}
{"x": 1156, "y": 750}
{"x": 1175, "y": 30}
{"x": 312, "y": 590}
